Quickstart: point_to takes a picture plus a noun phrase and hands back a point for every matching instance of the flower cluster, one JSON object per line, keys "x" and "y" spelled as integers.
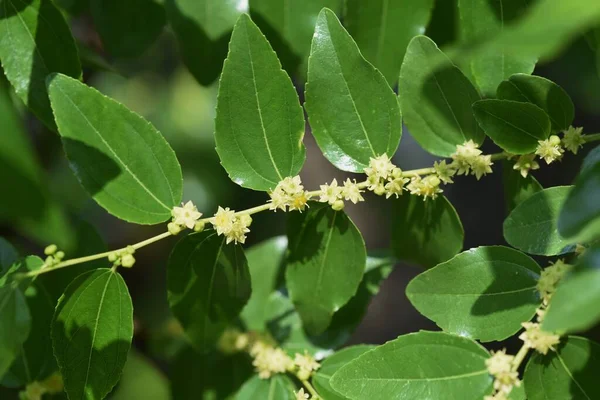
{"x": 270, "y": 360}
{"x": 186, "y": 216}
{"x": 123, "y": 257}
{"x": 233, "y": 227}
{"x": 500, "y": 366}
{"x": 428, "y": 186}
{"x": 526, "y": 163}
{"x": 301, "y": 395}
{"x": 36, "y": 390}
{"x": 306, "y": 365}
{"x": 289, "y": 194}
{"x": 573, "y": 139}
{"x": 469, "y": 160}
{"x": 54, "y": 256}
{"x": 535, "y": 338}
{"x": 383, "y": 177}
{"x": 335, "y": 195}
{"x": 550, "y": 149}
{"x": 550, "y": 278}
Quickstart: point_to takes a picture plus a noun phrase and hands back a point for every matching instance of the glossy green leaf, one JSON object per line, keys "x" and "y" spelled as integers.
{"x": 426, "y": 232}
{"x": 532, "y": 225}
{"x": 35, "y": 41}
{"x": 331, "y": 365}
{"x": 127, "y": 28}
{"x": 15, "y": 324}
{"x": 91, "y": 333}
{"x": 516, "y": 188}
{"x": 141, "y": 379}
{"x": 570, "y": 373}
{"x": 483, "y": 293}
{"x": 202, "y": 29}
{"x": 382, "y": 29}
{"x": 8, "y": 255}
{"x": 517, "y": 393}
{"x": 259, "y": 123}
{"x": 514, "y": 126}
{"x": 353, "y": 113}
{"x": 449, "y": 367}
{"x": 208, "y": 285}
{"x": 575, "y": 303}
{"x": 542, "y": 92}
{"x": 98, "y": 135}
{"x": 325, "y": 264}
{"x": 436, "y": 103}
{"x": 579, "y": 218}
{"x": 483, "y": 19}
{"x": 264, "y": 262}
{"x": 278, "y": 387}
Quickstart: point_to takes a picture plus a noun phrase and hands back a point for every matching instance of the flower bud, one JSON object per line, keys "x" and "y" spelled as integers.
{"x": 50, "y": 250}
{"x": 199, "y": 226}
{"x": 379, "y": 190}
{"x": 59, "y": 255}
{"x": 554, "y": 140}
{"x": 112, "y": 257}
{"x": 246, "y": 220}
{"x": 127, "y": 261}
{"x": 338, "y": 205}
{"x": 173, "y": 228}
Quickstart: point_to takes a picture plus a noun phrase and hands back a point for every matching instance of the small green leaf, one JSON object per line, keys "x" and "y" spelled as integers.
{"x": 127, "y": 28}
{"x": 579, "y": 219}
{"x": 542, "y": 92}
{"x": 483, "y": 293}
{"x": 278, "y": 387}
{"x": 353, "y": 112}
{"x": 569, "y": 373}
{"x": 91, "y": 333}
{"x": 383, "y": 28}
{"x": 259, "y": 123}
{"x": 208, "y": 285}
{"x": 532, "y": 225}
{"x": 265, "y": 261}
{"x": 35, "y": 41}
{"x": 331, "y": 365}
{"x": 516, "y": 188}
{"x": 325, "y": 247}
{"x": 15, "y": 324}
{"x": 436, "y": 104}
{"x": 142, "y": 380}
{"x": 98, "y": 134}
{"x": 517, "y": 393}
{"x": 575, "y": 303}
{"x": 449, "y": 367}
{"x": 8, "y": 255}
{"x": 484, "y": 19}
{"x": 202, "y": 29}
{"x": 514, "y": 126}
{"x": 426, "y": 232}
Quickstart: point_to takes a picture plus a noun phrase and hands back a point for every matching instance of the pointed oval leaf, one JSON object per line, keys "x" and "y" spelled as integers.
{"x": 92, "y": 330}
{"x": 331, "y": 365}
{"x": 141, "y": 379}
{"x": 15, "y": 324}
{"x": 259, "y": 123}
{"x": 426, "y": 232}
{"x": 278, "y": 387}
{"x": 514, "y": 126}
{"x": 516, "y": 187}
{"x": 484, "y": 19}
{"x": 569, "y": 373}
{"x": 436, "y": 103}
{"x": 450, "y": 367}
{"x": 542, "y": 92}
{"x": 353, "y": 113}
{"x": 325, "y": 264}
{"x": 532, "y": 225}
{"x": 383, "y": 28}
{"x": 119, "y": 158}
{"x": 483, "y": 293}
{"x": 208, "y": 284}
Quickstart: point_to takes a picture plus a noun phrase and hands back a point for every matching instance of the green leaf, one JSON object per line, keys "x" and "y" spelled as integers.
{"x": 259, "y": 123}
{"x": 426, "y": 232}
{"x": 208, "y": 285}
{"x": 264, "y": 262}
{"x": 517, "y": 393}
{"x": 15, "y": 324}
{"x": 353, "y": 113}
{"x": 324, "y": 247}
{"x": 514, "y": 126}
{"x": 91, "y": 333}
{"x": 278, "y": 387}
{"x": 516, "y": 188}
{"x": 202, "y": 29}
{"x": 483, "y": 293}
{"x": 484, "y": 19}
{"x": 331, "y": 365}
{"x": 579, "y": 219}
{"x": 575, "y": 303}
{"x": 449, "y": 367}
{"x": 531, "y": 226}
{"x": 140, "y": 186}
{"x": 570, "y": 373}
{"x": 141, "y": 379}
{"x": 35, "y": 41}
{"x": 127, "y": 28}
{"x": 542, "y": 92}
{"x": 436, "y": 104}
{"x": 8, "y": 255}
{"x": 383, "y": 28}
